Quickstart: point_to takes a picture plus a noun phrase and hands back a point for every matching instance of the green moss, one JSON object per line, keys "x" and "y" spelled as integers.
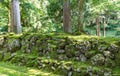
{"x": 12, "y": 35}
{"x": 34, "y": 50}
{"x": 55, "y": 41}
{"x": 7, "y": 56}
{"x": 116, "y": 71}
{"x": 117, "y": 59}
{"x": 70, "y": 50}
{"x": 8, "y": 69}
{"x": 1, "y": 55}
{"x": 90, "y": 53}
{"x": 110, "y": 39}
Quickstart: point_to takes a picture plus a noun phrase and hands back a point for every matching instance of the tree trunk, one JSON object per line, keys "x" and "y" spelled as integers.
{"x": 66, "y": 16}
{"x": 97, "y": 27}
{"x": 15, "y": 16}
{"x": 103, "y": 20}
{"x": 80, "y": 7}
{"x": 9, "y": 17}
{"x": 9, "y": 22}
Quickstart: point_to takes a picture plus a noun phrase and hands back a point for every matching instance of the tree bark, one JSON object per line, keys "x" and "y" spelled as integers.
{"x": 9, "y": 22}
{"x": 97, "y": 27}
{"x": 80, "y": 7}
{"x": 103, "y": 20}
{"x": 9, "y": 17}
{"x": 15, "y": 16}
{"x": 66, "y": 16}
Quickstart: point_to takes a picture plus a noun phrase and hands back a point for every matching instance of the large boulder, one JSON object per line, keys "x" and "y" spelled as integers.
{"x": 102, "y": 48}
{"x": 1, "y": 41}
{"x": 94, "y": 43}
{"x": 109, "y": 63}
{"x": 90, "y": 53}
{"x": 98, "y": 59}
{"x": 113, "y": 48}
{"x": 70, "y": 51}
{"x": 13, "y": 45}
{"x": 83, "y": 46}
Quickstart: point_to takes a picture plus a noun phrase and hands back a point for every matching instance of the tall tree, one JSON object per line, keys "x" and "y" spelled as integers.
{"x": 80, "y": 8}
{"x": 15, "y": 16}
{"x": 66, "y": 16}
{"x": 103, "y": 22}
{"x": 9, "y": 19}
{"x": 97, "y": 27}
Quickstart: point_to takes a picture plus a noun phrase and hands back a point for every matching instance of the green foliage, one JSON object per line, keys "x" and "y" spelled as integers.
{"x": 4, "y": 28}
{"x": 47, "y": 15}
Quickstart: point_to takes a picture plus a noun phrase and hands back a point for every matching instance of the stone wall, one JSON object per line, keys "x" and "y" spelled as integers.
{"x": 29, "y": 49}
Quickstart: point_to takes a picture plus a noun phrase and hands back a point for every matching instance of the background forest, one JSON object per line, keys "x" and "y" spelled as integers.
{"x": 47, "y": 16}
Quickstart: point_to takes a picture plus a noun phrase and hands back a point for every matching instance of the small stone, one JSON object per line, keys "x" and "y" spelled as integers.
{"x": 69, "y": 68}
{"x": 61, "y": 51}
{"x": 23, "y": 61}
{"x": 81, "y": 48}
{"x": 77, "y": 58}
{"x": 107, "y": 53}
{"x": 83, "y": 58}
{"x": 70, "y": 73}
{"x": 13, "y": 54}
{"x": 90, "y": 74}
{"x": 28, "y": 50}
{"x": 53, "y": 68}
{"x": 20, "y": 64}
{"x": 40, "y": 63}
{"x": 33, "y": 44}
{"x": 48, "y": 57}
{"x": 39, "y": 67}
{"x": 89, "y": 69}
{"x": 107, "y": 74}
{"x": 60, "y": 57}
{"x": 78, "y": 70}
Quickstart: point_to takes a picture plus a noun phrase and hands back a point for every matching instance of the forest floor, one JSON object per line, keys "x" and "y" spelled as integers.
{"x": 8, "y": 69}
{"x": 110, "y": 33}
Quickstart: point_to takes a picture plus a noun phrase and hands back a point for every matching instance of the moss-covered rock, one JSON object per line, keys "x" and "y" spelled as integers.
{"x": 1, "y": 42}
{"x": 98, "y": 59}
{"x": 70, "y": 50}
{"x": 90, "y": 53}
{"x": 109, "y": 63}
{"x": 13, "y": 45}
